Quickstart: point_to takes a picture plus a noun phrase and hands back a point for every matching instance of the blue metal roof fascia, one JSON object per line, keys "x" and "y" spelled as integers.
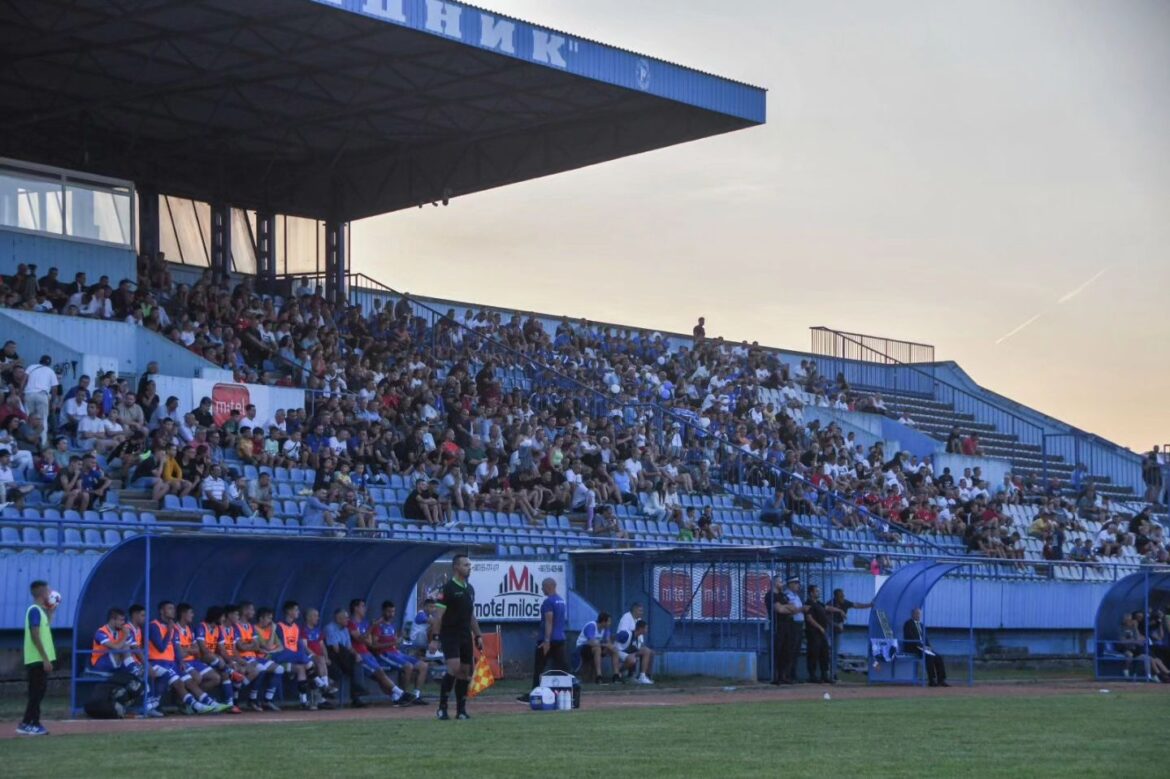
{"x": 471, "y": 26}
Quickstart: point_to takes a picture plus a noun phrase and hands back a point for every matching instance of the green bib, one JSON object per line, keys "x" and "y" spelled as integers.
{"x": 31, "y": 655}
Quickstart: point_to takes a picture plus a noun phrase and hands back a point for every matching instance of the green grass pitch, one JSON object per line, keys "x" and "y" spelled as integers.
{"x": 1074, "y": 735}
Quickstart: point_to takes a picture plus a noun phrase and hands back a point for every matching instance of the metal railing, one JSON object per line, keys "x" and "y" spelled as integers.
{"x": 885, "y": 373}
{"x": 827, "y": 342}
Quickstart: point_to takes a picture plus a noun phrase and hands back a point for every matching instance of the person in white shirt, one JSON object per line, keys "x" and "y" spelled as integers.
{"x": 10, "y": 492}
{"x": 98, "y": 306}
{"x": 630, "y": 640}
{"x": 215, "y": 491}
{"x": 40, "y": 385}
{"x": 74, "y": 409}
{"x": 93, "y": 433}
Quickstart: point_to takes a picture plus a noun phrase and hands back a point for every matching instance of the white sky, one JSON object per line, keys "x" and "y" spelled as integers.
{"x": 943, "y": 172}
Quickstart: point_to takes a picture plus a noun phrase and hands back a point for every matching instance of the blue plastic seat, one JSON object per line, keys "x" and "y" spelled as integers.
{"x": 29, "y": 513}
{"x": 69, "y": 515}
{"x": 51, "y": 513}
{"x": 171, "y": 503}
{"x": 9, "y": 536}
{"x": 188, "y": 503}
{"x": 31, "y": 537}
{"x": 92, "y": 537}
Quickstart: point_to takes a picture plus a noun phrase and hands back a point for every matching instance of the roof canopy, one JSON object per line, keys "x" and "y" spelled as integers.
{"x": 333, "y": 108}
{"x": 208, "y": 569}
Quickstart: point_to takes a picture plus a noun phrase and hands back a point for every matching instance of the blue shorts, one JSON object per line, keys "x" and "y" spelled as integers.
{"x": 261, "y": 664}
{"x": 197, "y": 665}
{"x": 166, "y": 672}
{"x": 397, "y": 661}
{"x": 370, "y": 663}
{"x": 288, "y": 656}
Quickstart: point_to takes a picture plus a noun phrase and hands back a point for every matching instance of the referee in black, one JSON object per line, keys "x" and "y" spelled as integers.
{"x": 454, "y": 626}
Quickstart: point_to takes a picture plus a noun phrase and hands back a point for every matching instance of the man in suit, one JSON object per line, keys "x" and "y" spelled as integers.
{"x": 914, "y": 641}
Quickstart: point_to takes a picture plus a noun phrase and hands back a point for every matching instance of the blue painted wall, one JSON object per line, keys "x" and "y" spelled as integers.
{"x": 70, "y": 256}
{"x": 132, "y": 346}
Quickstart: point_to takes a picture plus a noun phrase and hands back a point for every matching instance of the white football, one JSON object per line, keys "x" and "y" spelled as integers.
{"x": 54, "y": 598}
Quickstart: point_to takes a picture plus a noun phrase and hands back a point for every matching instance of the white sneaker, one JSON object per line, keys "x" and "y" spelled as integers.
{"x": 644, "y": 679}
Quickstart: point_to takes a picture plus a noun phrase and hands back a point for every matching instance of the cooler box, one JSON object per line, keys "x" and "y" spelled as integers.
{"x": 561, "y": 680}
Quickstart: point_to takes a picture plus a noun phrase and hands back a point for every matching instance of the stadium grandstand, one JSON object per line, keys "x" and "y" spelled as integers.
{"x": 188, "y": 356}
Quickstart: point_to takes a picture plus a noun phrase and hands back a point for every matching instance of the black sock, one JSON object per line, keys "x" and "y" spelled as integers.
{"x": 461, "y": 686}
{"x": 445, "y": 689}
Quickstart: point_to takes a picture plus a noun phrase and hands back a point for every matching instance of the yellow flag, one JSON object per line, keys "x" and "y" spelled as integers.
{"x": 482, "y": 678}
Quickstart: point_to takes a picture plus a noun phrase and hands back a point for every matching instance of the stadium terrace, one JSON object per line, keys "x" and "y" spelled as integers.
{"x": 239, "y": 475}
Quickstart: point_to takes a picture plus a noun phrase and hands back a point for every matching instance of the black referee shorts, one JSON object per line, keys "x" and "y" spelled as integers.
{"x": 457, "y": 645}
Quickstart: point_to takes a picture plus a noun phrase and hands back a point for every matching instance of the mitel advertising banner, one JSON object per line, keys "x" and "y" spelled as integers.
{"x": 712, "y": 592}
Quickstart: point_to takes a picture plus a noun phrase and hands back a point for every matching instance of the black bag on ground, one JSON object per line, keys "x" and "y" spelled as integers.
{"x": 111, "y": 698}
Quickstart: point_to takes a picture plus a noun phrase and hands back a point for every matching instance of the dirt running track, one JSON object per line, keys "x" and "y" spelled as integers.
{"x": 617, "y": 699}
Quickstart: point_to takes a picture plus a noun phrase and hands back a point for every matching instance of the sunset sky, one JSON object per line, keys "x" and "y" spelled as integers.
{"x": 990, "y": 177}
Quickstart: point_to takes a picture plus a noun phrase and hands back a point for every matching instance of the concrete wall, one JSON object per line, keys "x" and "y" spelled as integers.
{"x": 129, "y": 346}
{"x": 67, "y": 255}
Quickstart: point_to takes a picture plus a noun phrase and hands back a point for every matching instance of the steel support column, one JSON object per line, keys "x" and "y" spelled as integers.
{"x": 221, "y": 241}
{"x": 149, "y": 241}
{"x": 266, "y": 245}
{"x": 336, "y": 261}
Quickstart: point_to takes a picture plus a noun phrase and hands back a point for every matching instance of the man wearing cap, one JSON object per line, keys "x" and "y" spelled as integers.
{"x": 795, "y": 634}
{"x": 780, "y": 619}
{"x": 41, "y": 385}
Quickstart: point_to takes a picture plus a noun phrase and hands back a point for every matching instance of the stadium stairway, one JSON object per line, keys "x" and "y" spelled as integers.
{"x": 936, "y": 419}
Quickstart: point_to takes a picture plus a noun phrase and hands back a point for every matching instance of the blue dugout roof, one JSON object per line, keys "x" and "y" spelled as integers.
{"x": 335, "y": 109}
{"x": 1147, "y": 589}
{"x": 206, "y": 569}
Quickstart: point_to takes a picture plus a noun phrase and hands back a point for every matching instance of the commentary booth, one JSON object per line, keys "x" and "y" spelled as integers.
{"x": 1147, "y": 592}
{"x": 905, "y": 590}
{"x": 204, "y": 570}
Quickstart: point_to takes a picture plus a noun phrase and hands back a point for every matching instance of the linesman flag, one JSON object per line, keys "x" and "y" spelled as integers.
{"x": 482, "y": 678}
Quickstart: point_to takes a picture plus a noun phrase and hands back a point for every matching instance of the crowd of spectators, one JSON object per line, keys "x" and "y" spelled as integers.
{"x": 494, "y": 412}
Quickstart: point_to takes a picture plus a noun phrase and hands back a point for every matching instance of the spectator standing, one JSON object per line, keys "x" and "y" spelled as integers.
{"x": 39, "y": 656}
{"x": 39, "y": 388}
{"x": 1151, "y": 471}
